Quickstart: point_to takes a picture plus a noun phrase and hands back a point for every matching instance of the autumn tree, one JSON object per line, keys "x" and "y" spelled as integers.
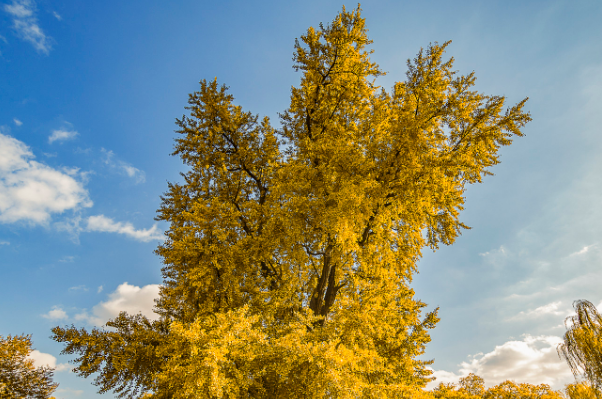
{"x": 19, "y": 378}
{"x": 451, "y": 391}
{"x": 582, "y": 390}
{"x": 511, "y": 390}
{"x": 582, "y": 346}
{"x": 290, "y": 251}
{"x": 473, "y": 387}
{"x": 472, "y": 384}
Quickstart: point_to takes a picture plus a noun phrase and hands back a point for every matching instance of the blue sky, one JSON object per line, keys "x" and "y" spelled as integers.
{"x": 89, "y": 94}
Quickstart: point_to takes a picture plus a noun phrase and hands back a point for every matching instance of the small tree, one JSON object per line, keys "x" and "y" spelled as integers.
{"x": 511, "y": 390}
{"x": 582, "y": 346}
{"x": 582, "y": 390}
{"x": 19, "y": 378}
{"x": 451, "y": 391}
{"x": 472, "y": 384}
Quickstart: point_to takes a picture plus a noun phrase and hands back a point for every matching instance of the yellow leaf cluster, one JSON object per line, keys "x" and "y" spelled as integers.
{"x": 19, "y": 378}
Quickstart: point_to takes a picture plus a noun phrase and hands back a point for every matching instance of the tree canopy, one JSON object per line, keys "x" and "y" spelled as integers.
{"x": 582, "y": 346}
{"x": 19, "y": 378}
{"x": 290, "y": 250}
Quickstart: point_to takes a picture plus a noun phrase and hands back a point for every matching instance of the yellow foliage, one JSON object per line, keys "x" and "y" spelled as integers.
{"x": 582, "y": 346}
{"x": 290, "y": 251}
{"x": 511, "y": 390}
{"x": 19, "y": 378}
{"x": 582, "y": 390}
{"x": 473, "y": 387}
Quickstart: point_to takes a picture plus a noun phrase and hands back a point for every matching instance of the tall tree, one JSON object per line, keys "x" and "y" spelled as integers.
{"x": 290, "y": 251}
{"x": 19, "y": 378}
{"x": 582, "y": 346}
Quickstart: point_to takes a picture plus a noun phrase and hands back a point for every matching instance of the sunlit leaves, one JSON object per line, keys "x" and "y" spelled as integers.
{"x": 290, "y": 250}
{"x": 19, "y": 378}
{"x": 582, "y": 346}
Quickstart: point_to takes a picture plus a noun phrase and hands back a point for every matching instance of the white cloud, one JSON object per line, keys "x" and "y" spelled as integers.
{"x": 533, "y": 360}
{"x": 57, "y": 15}
{"x": 442, "y": 376}
{"x": 63, "y": 367}
{"x": 129, "y": 298}
{"x": 78, "y": 288}
{"x": 99, "y": 290}
{"x": 4, "y": 243}
{"x": 56, "y": 313}
{"x": 17, "y": 122}
{"x": 123, "y": 167}
{"x": 67, "y": 259}
{"x": 41, "y": 359}
{"x": 26, "y": 25}
{"x": 31, "y": 191}
{"x": 102, "y": 223}
{"x": 61, "y": 135}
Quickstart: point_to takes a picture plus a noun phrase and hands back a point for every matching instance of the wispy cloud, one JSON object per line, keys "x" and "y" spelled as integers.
{"x": 57, "y": 313}
{"x": 20, "y": 9}
{"x": 550, "y": 308}
{"x": 67, "y": 259}
{"x": 102, "y": 223}
{"x": 31, "y": 191}
{"x": 69, "y": 391}
{"x": 25, "y": 24}
{"x": 583, "y": 250}
{"x": 62, "y": 135}
{"x": 125, "y": 168}
{"x": 553, "y": 309}
{"x": 501, "y": 251}
{"x": 4, "y": 243}
{"x": 533, "y": 360}
{"x": 57, "y": 15}
{"x": 126, "y": 298}
{"x": 17, "y": 122}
